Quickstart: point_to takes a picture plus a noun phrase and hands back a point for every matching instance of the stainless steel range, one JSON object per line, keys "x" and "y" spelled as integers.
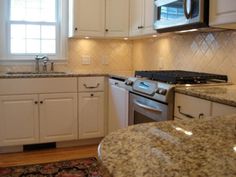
{"x": 151, "y": 96}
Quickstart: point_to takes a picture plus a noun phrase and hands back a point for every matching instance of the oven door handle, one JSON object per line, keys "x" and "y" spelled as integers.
{"x": 147, "y": 107}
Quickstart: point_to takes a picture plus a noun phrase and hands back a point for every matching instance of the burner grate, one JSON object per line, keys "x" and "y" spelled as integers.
{"x": 180, "y": 76}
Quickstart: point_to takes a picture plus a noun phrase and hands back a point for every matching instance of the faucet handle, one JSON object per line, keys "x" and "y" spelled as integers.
{"x": 52, "y": 66}
{"x": 45, "y": 66}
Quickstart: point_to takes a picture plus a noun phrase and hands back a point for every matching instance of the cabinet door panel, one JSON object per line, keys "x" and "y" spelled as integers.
{"x": 222, "y": 13}
{"x": 89, "y": 16}
{"x": 117, "y": 18}
{"x": 136, "y": 16}
{"x": 18, "y": 120}
{"x": 58, "y": 117}
{"x": 91, "y": 115}
{"x": 221, "y": 109}
{"x": 118, "y": 108}
{"x": 192, "y": 106}
{"x": 148, "y": 17}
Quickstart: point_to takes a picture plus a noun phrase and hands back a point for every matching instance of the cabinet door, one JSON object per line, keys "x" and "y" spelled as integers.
{"x": 117, "y": 18}
{"x": 88, "y": 17}
{"x": 223, "y": 13}
{"x": 188, "y": 107}
{"x": 221, "y": 109}
{"x": 18, "y": 120}
{"x": 148, "y": 18}
{"x": 91, "y": 115}
{"x": 118, "y": 108}
{"x": 136, "y": 16}
{"x": 58, "y": 117}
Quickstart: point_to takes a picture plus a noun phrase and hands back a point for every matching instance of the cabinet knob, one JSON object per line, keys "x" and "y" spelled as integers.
{"x": 41, "y": 102}
{"x": 107, "y": 30}
{"x": 35, "y": 102}
{"x": 76, "y": 29}
{"x": 92, "y": 95}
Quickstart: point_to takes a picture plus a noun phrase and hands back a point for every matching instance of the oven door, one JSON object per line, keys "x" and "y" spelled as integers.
{"x": 177, "y": 13}
{"x": 142, "y": 110}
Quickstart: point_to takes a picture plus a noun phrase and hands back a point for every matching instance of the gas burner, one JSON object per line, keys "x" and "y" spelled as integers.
{"x": 181, "y": 77}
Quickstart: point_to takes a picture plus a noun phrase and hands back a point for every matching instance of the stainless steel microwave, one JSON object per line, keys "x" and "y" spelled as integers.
{"x": 176, "y": 15}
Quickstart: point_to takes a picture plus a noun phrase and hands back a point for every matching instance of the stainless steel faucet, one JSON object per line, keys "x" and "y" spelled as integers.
{"x": 39, "y": 58}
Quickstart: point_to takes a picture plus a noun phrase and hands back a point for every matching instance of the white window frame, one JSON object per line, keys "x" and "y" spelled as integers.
{"x": 61, "y": 35}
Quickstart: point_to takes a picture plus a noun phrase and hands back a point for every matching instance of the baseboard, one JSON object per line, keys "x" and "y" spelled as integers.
{"x": 78, "y": 143}
{"x": 11, "y": 149}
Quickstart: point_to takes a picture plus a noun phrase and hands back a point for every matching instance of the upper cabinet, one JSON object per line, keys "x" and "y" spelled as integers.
{"x": 117, "y": 18}
{"x": 223, "y": 14}
{"x": 98, "y": 18}
{"x": 141, "y": 17}
{"x": 86, "y": 18}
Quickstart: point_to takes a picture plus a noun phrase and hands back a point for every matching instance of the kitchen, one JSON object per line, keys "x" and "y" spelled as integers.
{"x": 96, "y": 49}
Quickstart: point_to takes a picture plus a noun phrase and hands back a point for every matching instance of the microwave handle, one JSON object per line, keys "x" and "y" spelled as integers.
{"x": 147, "y": 107}
{"x": 188, "y": 13}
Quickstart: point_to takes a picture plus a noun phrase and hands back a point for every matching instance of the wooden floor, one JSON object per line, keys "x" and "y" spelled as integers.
{"x": 50, "y": 155}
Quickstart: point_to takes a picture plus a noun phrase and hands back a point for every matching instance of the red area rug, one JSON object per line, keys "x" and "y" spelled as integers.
{"x": 88, "y": 167}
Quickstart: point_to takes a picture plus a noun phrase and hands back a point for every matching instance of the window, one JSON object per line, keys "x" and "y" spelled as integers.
{"x": 33, "y": 27}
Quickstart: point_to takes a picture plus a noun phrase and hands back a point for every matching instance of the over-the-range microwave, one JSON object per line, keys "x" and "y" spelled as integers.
{"x": 176, "y": 15}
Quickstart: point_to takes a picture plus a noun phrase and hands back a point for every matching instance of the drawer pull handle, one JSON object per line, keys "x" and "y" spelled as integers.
{"x": 91, "y": 87}
{"x": 141, "y": 105}
{"x": 184, "y": 114}
{"x": 201, "y": 116}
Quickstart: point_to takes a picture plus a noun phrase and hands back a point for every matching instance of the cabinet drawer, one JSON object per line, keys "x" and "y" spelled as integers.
{"x": 37, "y": 85}
{"x": 188, "y": 107}
{"x": 88, "y": 84}
{"x": 221, "y": 109}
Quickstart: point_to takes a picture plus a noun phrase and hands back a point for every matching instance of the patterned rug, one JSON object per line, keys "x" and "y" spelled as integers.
{"x": 88, "y": 167}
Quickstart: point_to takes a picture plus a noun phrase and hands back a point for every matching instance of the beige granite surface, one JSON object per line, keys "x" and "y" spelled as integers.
{"x": 222, "y": 94}
{"x": 65, "y": 74}
{"x": 198, "y": 148}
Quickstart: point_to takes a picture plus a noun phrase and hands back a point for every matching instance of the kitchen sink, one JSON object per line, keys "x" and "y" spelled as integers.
{"x": 34, "y": 73}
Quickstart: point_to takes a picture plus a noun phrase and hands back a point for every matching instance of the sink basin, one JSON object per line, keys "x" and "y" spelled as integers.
{"x": 34, "y": 73}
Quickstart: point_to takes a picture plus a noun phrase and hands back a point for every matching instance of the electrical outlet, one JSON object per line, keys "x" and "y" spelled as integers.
{"x": 105, "y": 61}
{"x": 86, "y": 60}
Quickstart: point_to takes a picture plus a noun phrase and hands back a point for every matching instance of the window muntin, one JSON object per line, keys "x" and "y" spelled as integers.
{"x": 33, "y": 27}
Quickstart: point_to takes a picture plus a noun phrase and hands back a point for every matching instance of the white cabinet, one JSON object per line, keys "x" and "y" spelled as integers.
{"x": 223, "y": 13}
{"x": 221, "y": 109}
{"x": 118, "y": 106}
{"x": 188, "y": 107}
{"x": 91, "y": 115}
{"x": 19, "y": 120}
{"x": 86, "y": 18}
{"x": 141, "y": 17}
{"x": 58, "y": 117}
{"x": 91, "y": 107}
{"x": 98, "y": 18}
{"x": 36, "y": 110}
{"x": 117, "y": 18}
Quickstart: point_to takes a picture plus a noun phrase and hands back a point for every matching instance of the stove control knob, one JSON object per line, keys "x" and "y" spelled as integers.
{"x": 161, "y": 91}
{"x": 129, "y": 82}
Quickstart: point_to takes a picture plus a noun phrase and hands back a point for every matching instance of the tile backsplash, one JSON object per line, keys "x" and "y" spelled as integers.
{"x": 204, "y": 52}
{"x": 213, "y": 52}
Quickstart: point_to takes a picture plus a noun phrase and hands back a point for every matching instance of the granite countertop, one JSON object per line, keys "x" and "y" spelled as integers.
{"x": 60, "y": 74}
{"x": 225, "y": 94}
{"x": 205, "y": 148}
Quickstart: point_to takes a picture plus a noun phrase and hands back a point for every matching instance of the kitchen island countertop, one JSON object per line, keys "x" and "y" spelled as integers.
{"x": 225, "y": 94}
{"x": 175, "y": 148}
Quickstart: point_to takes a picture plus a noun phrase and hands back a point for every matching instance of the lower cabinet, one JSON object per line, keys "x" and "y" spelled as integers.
{"x": 58, "y": 117}
{"x": 91, "y": 115}
{"x": 38, "y": 118}
{"x": 19, "y": 119}
{"x": 189, "y": 107}
{"x": 221, "y": 109}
